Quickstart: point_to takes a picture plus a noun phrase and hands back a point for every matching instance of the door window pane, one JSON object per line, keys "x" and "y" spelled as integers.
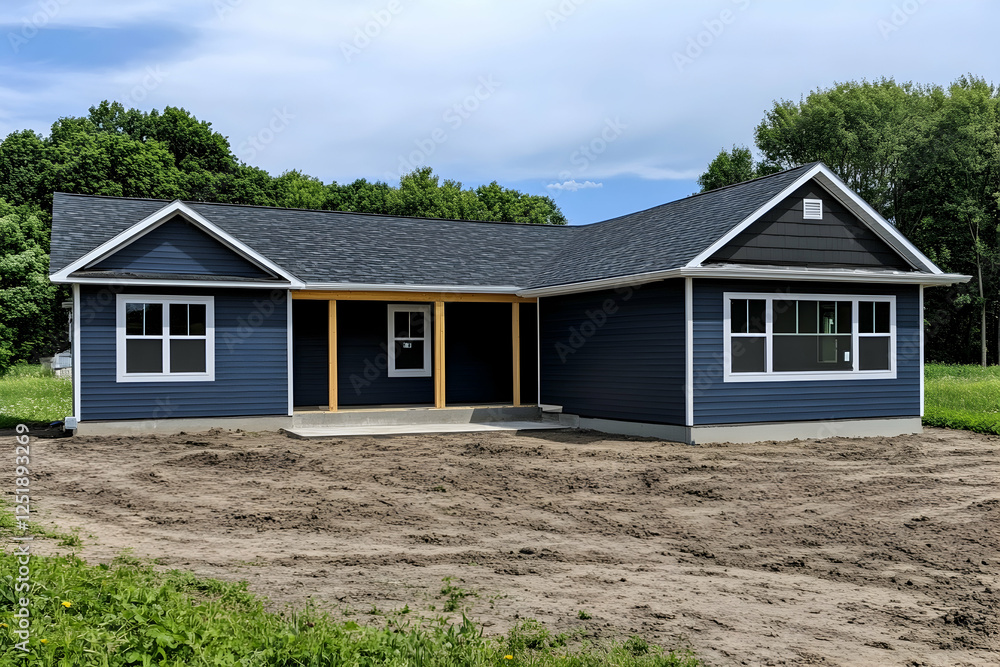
{"x": 873, "y": 353}
{"x": 187, "y": 356}
{"x": 748, "y": 354}
{"x": 143, "y": 356}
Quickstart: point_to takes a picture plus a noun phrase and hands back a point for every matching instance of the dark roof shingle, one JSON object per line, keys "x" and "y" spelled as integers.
{"x": 342, "y": 247}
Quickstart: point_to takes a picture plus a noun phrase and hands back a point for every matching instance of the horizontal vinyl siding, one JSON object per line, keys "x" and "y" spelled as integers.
{"x": 362, "y": 360}
{"x": 310, "y": 352}
{"x": 177, "y": 246}
{"x": 251, "y": 376}
{"x": 630, "y": 368}
{"x": 479, "y": 353}
{"x": 719, "y": 402}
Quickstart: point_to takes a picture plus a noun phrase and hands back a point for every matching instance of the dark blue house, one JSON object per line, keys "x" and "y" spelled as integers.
{"x": 777, "y": 308}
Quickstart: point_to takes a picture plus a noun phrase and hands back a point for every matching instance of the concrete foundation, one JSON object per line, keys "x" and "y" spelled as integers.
{"x": 749, "y": 433}
{"x": 344, "y": 418}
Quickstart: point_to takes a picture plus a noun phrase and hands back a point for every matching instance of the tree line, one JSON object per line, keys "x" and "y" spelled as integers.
{"x": 172, "y": 155}
{"x": 927, "y": 158}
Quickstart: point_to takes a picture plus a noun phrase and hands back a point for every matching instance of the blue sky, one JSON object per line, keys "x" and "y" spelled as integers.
{"x": 607, "y": 107}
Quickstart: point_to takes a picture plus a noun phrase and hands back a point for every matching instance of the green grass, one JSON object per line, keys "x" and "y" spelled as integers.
{"x": 29, "y": 395}
{"x": 962, "y": 397}
{"x": 128, "y": 613}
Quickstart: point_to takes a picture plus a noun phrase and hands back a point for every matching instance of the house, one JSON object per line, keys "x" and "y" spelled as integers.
{"x": 782, "y": 307}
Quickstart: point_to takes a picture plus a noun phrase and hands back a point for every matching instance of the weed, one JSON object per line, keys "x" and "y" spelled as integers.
{"x": 454, "y": 594}
{"x": 583, "y": 616}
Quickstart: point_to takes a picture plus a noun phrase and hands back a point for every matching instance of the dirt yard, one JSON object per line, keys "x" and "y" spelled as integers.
{"x": 878, "y": 552}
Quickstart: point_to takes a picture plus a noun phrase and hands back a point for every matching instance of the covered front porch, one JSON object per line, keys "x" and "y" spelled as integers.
{"x": 366, "y": 350}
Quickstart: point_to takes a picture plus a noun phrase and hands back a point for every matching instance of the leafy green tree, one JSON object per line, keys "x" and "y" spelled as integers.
{"x": 173, "y": 155}
{"x": 729, "y": 168}
{"x": 28, "y": 315}
{"x": 926, "y": 158}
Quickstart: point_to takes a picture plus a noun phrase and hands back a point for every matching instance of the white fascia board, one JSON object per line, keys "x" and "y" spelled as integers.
{"x": 152, "y": 282}
{"x": 837, "y": 188}
{"x": 750, "y": 273}
{"x": 825, "y": 275}
{"x": 601, "y": 284}
{"x": 383, "y": 287}
{"x": 153, "y": 221}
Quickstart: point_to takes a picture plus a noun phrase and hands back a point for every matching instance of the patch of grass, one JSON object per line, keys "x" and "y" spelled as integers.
{"x": 454, "y": 595}
{"x": 962, "y": 397}
{"x": 30, "y": 395}
{"x": 583, "y": 616}
{"x": 128, "y": 613}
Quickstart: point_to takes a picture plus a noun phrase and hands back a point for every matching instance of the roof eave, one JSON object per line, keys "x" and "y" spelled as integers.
{"x": 752, "y": 273}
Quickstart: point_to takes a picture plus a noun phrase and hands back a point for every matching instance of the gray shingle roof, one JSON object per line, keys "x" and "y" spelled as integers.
{"x": 332, "y": 246}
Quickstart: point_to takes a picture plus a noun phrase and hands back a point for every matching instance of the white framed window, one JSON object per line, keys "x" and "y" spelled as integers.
{"x": 409, "y": 340}
{"x": 165, "y": 338}
{"x": 785, "y": 337}
{"x": 812, "y": 209}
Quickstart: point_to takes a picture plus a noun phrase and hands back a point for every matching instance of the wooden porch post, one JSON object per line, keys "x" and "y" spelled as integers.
{"x": 331, "y": 344}
{"x": 439, "y": 384}
{"x": 516, "y": 338}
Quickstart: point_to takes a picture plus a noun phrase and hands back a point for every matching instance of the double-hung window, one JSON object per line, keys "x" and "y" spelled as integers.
{"x": 409, "y": 340}
{"x": 774, "y": 337}
{"x": 165, "y": 338}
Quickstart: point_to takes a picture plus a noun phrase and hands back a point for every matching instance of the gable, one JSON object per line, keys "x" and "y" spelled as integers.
{"x": 783, "y": 237}
{"x": 178, "y": 247}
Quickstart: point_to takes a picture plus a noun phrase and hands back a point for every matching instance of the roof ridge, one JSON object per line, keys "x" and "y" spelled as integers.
{"x": 190, "y": 202}
{"x": 784, "y": 172}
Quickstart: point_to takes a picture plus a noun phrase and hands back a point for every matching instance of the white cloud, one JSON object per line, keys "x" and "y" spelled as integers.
{"x": 574, "y": 185}
{"x": 390, "y": 101}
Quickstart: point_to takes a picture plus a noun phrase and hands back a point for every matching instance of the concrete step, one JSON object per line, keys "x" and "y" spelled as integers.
{"x": 415, "y": 416}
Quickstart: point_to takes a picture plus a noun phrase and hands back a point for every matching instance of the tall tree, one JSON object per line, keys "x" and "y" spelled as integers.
{"x": 926, "y": 158}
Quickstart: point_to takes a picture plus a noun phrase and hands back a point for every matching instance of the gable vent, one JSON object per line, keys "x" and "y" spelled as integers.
{"x": 812, "y": 209}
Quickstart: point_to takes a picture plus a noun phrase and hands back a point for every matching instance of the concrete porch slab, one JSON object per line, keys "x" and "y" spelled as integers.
{"x": 308, "y": 432}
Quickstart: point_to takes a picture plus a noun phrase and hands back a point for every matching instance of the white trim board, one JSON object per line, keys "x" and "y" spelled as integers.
{"x": 838, "y": 189}
{"x": 76, "y": 348}
{"x": 689, "y": 351}
{"x": 153, "y": 221}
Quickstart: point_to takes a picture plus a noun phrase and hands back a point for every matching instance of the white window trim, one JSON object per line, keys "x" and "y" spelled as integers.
{"x": 166, "y": 376}
{"x": 393, "y": 372}
{"x": 771, "y": 376}
{"x": 806, "y": 215}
